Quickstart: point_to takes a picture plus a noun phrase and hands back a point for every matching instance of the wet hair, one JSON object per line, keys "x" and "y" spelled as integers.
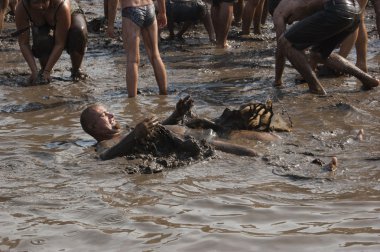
{"x": 87, "y": 119}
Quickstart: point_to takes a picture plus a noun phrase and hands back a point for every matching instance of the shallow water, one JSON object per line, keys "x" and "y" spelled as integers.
{"x": 57, "y": 196}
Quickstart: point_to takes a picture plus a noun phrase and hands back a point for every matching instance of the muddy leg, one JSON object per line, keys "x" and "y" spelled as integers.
{"x": 248, "y": 13}
{"x": 376, "y": 4}
{"x": 257, "y": 17}
{"x": 300, "y": 62}
{"x": 207, "y": 22}
{"x": 76, "y": 44}
{"x": 340, "y": 64}
{"x": 238, "y": 10}
{"x": 3, "y": 9}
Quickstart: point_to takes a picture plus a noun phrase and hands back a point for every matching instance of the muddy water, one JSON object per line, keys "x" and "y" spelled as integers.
{"x": 56, "y": 195}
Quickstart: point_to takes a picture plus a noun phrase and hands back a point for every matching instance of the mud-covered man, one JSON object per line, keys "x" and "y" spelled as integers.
{"x": 56, "y": 25}
{"x": 324, "y": 25}
{"x": 169, "y": 136}
{"x": 188, "y": 12}
{"x": 138, "y": 17}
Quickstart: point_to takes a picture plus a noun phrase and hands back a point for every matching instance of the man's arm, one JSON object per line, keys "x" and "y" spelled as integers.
{"x": 161, "y": 16}
{"x": 61, "y": 31}
{"x": 22, "y": 22}
{"x": 112, "y": 8}
{"x": 127, "y": 144}
{"x": 280, "y": 26}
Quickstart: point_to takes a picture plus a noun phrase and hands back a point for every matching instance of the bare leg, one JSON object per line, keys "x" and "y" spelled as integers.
{"x": 376, "y": 4}
{"x": 3, "y": 9}
{"x": 248, "y": 13}
{"x": 209, "y": 27}
{"x": 238, "y": 10}
{"x": 257, "y": 17}
{"x": 265, "y": 12}
{"x": 77, "y": 43}
{"x": 338, "y": 63}
{"x": 361, "y": 46}
{"x": 151, "y": 46}
{"x": 301, "y": 63}
{"x": 131, "y": 41}
{"x": 221, "y": 17}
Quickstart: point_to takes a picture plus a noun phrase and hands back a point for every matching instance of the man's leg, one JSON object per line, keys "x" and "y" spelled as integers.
{"x": 224, "y": 18}
{"x": 238, "y": 10}
{"x": 257, "y": 17}
{"x": 131, "y": 41}
{"x": 248, "y": 13}
{"x": 301, "y": 64}
{"x": 3, "y": 9}
{"x": 77, "y": 43}
{"x": 340, "y": 64}
{"x": 149, "y": 35}
{"x": 207, "y": 22}
{"x": 376, "y": 4}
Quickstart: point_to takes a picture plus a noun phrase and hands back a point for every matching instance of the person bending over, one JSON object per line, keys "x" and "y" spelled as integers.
{"x": 324, "y": 25}
{"x": 56, "y": 25}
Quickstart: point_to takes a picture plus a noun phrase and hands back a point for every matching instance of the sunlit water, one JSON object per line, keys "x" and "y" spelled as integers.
{"x": 57, "y": 196}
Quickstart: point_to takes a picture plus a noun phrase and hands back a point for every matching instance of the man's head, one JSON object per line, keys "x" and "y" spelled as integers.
{"x": 39, "y": 5}
{"x": 99, "y": 123}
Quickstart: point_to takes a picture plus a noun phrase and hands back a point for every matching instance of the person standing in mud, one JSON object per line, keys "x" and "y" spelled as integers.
{"x": 56, "y": 25}
{"x": 221, "y": 15}
{"x": 324, "y": 25}
{"x": 252, "y": 11}
{"x": 139, "y": 18}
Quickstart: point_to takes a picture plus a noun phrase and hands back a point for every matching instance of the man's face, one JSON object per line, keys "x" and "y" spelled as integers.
{"x": 104, "y": 122}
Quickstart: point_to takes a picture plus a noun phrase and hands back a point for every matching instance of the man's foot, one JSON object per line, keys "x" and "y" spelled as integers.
{"x": 318, "y": 89}
{"x": 78, "y": 75}
{"x": 370, "y": 84}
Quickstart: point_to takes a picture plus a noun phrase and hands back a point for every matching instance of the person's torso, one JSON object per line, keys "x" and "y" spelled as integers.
{"x": 47, "y": 17}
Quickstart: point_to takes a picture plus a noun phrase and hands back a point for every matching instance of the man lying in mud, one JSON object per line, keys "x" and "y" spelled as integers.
{"x": 167, "y": 138}
{"x": 324, "y": 25}
{"x": 56, "y": 25}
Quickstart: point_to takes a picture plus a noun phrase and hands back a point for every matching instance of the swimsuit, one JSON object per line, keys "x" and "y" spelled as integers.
{"x": 142, "y": 16}
{"x": 326, "y": 29}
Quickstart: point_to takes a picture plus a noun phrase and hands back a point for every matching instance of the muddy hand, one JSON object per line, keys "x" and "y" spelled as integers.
{"x": 184, "y": 105}
{"x": 144, "y": 128}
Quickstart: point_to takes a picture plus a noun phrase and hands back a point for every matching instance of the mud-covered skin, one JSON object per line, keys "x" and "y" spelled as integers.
{"x": 162, "y": 149}
{"x": 250, "y": 116}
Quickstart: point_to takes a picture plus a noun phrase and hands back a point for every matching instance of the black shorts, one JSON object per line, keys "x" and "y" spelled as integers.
{"x": 185, "y": 10}
{"x": 217, "y": 2}
{"x": 272, "y": 4}
{"x": 326, "y": 29}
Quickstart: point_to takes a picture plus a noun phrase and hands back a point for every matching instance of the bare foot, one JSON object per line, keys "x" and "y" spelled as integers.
{"x": 371, "y": 84}
{"x": 317, "y": 90}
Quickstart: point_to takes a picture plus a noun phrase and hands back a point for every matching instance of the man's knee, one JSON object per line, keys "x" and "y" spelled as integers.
{"x": 77, "y": 37}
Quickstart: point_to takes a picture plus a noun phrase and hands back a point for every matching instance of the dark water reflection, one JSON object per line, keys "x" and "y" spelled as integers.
{"x": 56, "y": 195}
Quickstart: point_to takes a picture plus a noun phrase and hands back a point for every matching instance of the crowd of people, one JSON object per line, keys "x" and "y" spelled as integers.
{"x": 307, "y": 33}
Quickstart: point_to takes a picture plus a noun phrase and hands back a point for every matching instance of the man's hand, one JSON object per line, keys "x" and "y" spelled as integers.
{"x": 184, "y": 105}
{"x": 161, "y": 20}
{"x": 144, "y": 128}
{"x": 32, "y": 78}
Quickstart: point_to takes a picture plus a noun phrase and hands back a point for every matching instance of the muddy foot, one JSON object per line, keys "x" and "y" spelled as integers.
{"x": 78, "y": 75}
{"x": 371, "y": 84}
{"x": 318, "y": 89}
